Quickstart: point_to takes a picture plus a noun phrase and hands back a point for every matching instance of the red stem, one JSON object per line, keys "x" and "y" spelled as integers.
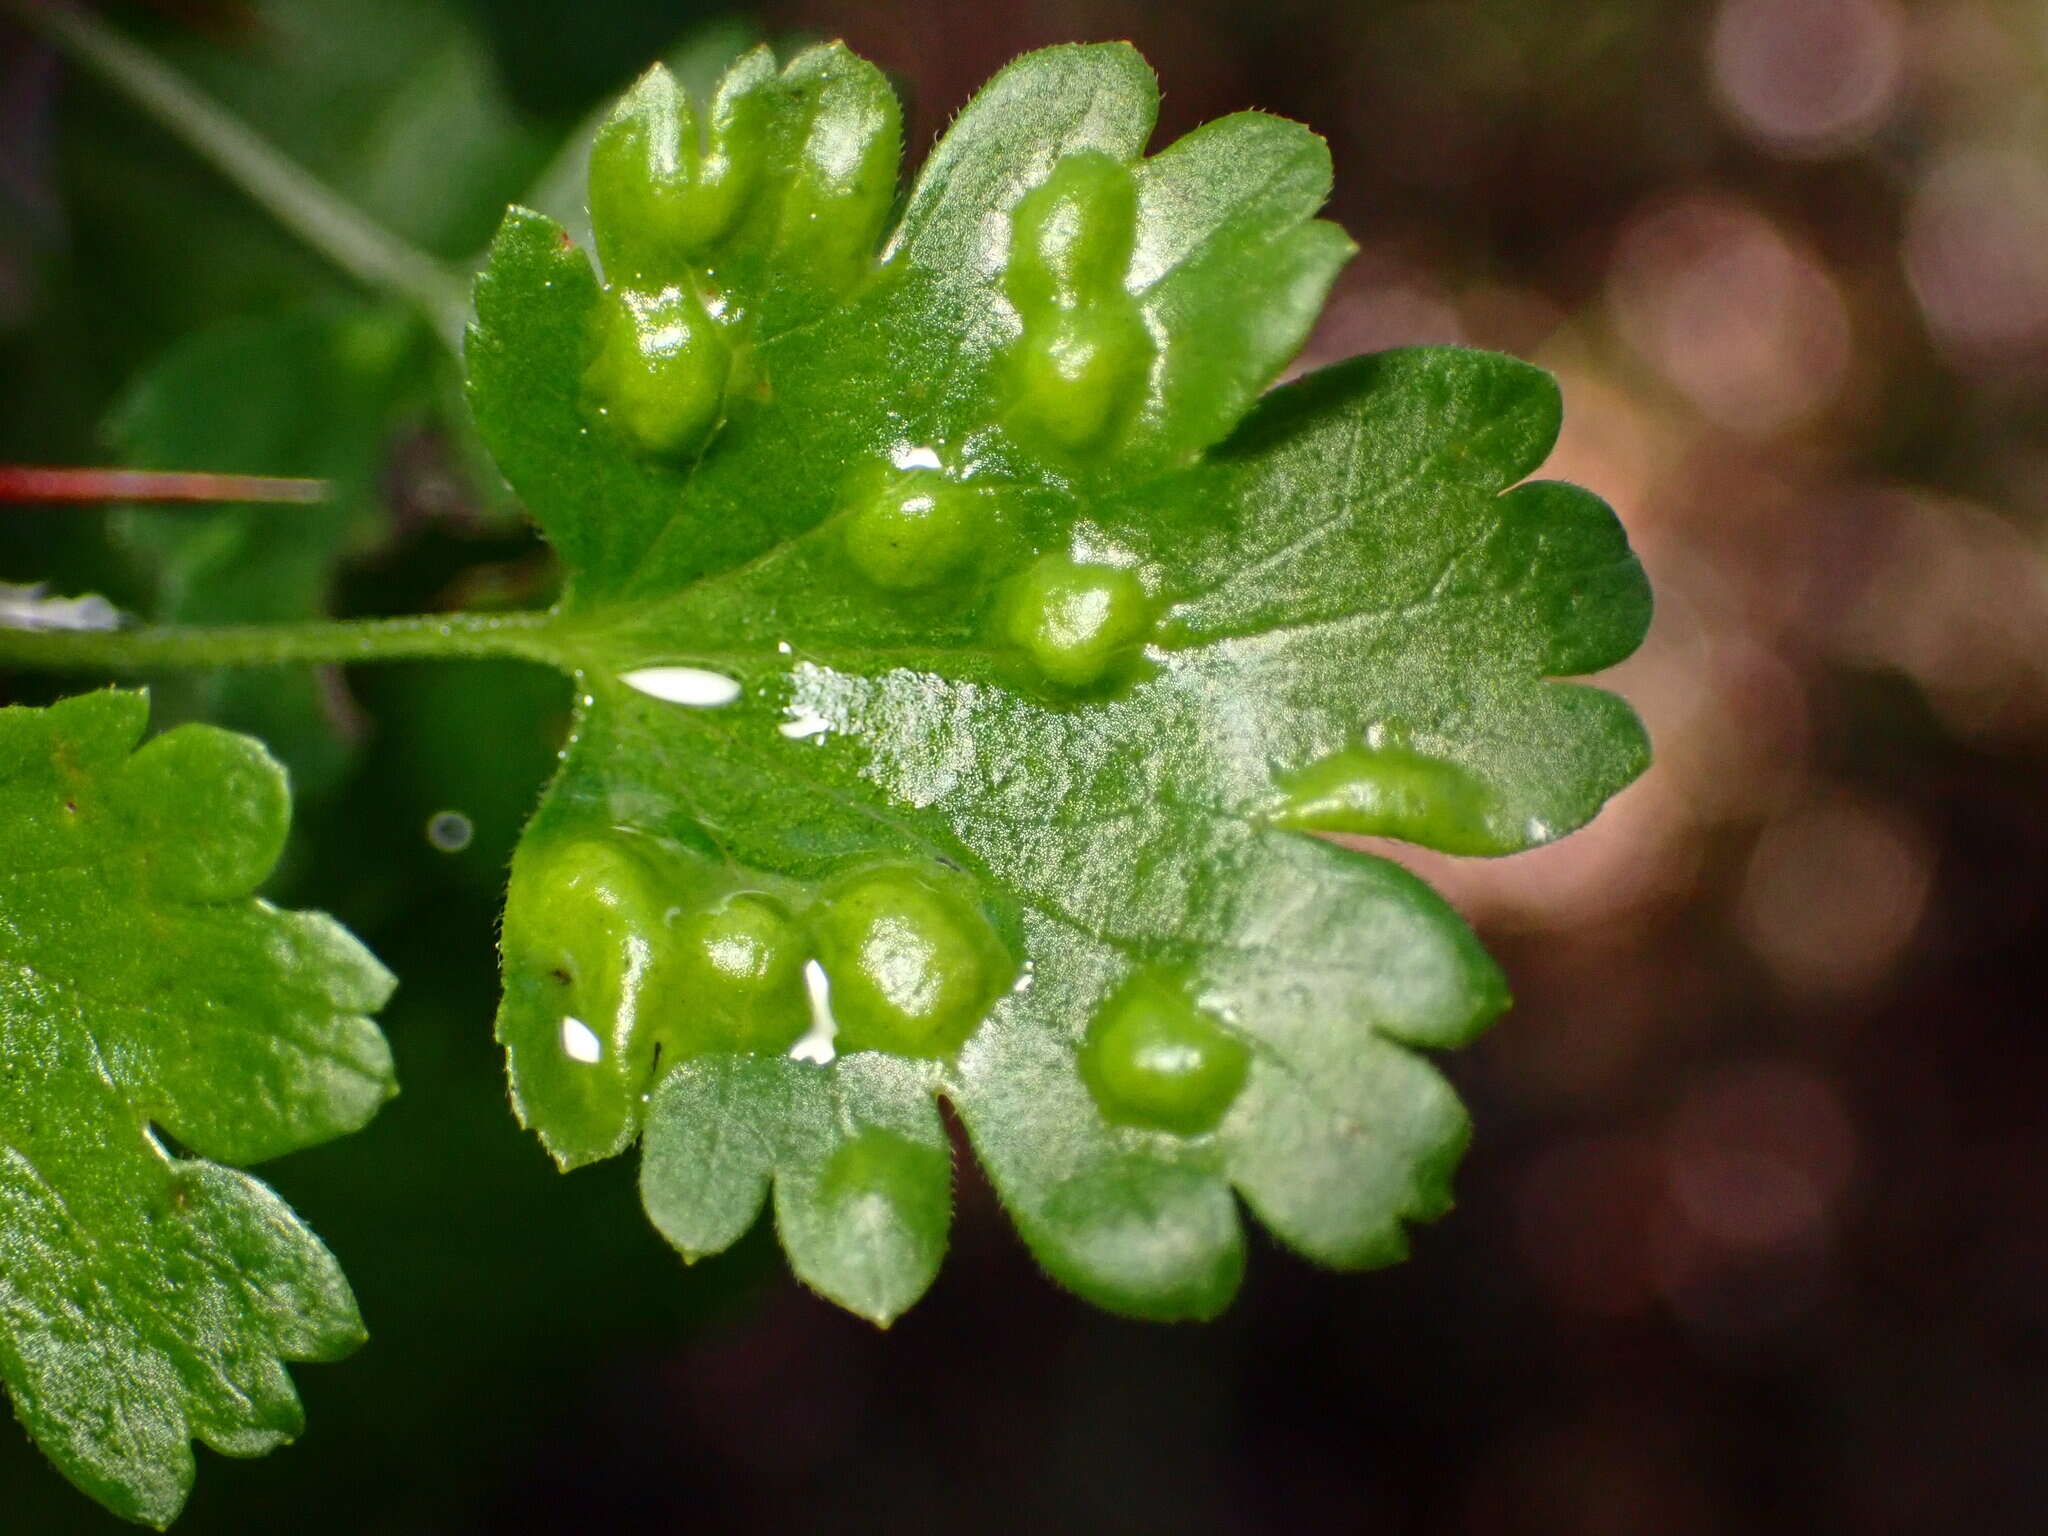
{"x": 25, "y": 482}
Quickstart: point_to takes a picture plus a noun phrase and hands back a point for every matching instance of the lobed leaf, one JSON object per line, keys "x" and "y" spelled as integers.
{"x": 963, "y": 684}
{"x": 149, "y": 1004}
{"x": 855, "y": 1150}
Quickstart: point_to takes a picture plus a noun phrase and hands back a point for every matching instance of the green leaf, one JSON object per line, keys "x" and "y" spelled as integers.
{"x": 862, "y": 1172}
{"x": 967, "y": 653}
{"x": 149, "y": 1004}
{"x": 391, "y": 103}
{"x": 394, "y": 103}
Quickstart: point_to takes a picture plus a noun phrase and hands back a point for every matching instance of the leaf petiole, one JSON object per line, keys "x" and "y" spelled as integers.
{"x": 415, "y": 637}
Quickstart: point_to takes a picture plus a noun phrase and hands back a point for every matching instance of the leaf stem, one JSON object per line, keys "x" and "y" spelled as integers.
{"x": 31, "y": 484}
{"x": 296, "y": 198}
{"x": 440, "y": 635}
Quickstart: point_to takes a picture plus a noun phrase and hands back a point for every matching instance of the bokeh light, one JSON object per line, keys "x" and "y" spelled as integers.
{"x": 1743, "y": 321}
{"x": 1977, "y": 249}
{"x": 1809, "y": 76}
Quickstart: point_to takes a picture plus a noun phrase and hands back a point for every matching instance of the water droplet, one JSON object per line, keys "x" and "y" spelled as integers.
{"x": 914, "y": 456}
{"x": 803, "y": 725}
{"x": 817, "y": 1045}
{"x": 693, "y": 686}
{"x": 450, "y": 831}
{"x": 579, "y": 1041}
{"x": 783, "y": 647}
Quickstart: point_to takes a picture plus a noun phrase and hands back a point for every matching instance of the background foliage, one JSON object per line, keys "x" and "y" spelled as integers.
{"x": 1749, "y": 1238}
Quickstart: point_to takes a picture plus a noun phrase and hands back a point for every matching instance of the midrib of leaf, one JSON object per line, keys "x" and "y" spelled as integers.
{"x": 786, "y": 767}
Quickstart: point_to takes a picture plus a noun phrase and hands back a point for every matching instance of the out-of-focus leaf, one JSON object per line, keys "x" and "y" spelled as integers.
{"x": 312, "y": 394}
{"x": 150, "y": 1295}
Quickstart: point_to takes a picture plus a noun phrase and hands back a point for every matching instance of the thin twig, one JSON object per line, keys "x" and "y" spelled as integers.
{"x": 40, "y": 483}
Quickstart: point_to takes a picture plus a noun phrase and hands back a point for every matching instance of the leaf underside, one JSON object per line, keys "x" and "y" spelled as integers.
{"x": 158, "y": 1022}
{"x": 1051, "y": 640}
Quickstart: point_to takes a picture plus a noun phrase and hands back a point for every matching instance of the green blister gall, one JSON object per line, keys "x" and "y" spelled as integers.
{"x": 661, "y": 369}
{"x": 1079, "y": 368}
{"x": 735, "y": 160}
{"x": 879, "y": 1162}
{"x": 739, "y": 974}
{"x": 589, "y": 988}
{"x": 1072, "y": 235}
{"x": 911, "y": 528}
{"x": 1393, "y": 791}
{"x": 1078, "y": 373}
{"x": 1154, "y": 1060}
{"x": 640, "y": 171}
{"x": 912, "y": 968}
{"x": 1078, "y": 622}
{"x": 658, "y": 204}
{"x": 842, "y": 176}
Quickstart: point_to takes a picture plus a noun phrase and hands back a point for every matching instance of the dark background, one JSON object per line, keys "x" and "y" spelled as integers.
{"x": 1752, "y": 1235}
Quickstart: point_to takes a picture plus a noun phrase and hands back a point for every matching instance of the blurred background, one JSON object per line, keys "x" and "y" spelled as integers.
{"x": 1752, "y": 1237}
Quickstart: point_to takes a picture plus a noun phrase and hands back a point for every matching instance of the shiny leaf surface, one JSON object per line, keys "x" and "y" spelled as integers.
{"x": 953, "y": 594}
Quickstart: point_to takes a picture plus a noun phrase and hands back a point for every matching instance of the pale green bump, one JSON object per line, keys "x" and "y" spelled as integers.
{"x": 735, "y": 158}
{"x": 739, "y": 976}
{"x": 886, "y": 1200}
{"x": 911, "y": 968}
{"x": 1078, "y": 373}
{"x": 911, "y": 528}
{"x": 1072, "y": 235}
{"x": 659, "y": 202}
{"x": 843, "y": 176}
{"x": 1079, "y": 367}
{"x": 1154, "y": 1060}
{"x": 881, "y": 1163}
{"x": 1079, "y": 622}
{"x": 641, "y": 167}
{"x": 1393, "y": 791}
{"x": 661, "y": 370}
{"x": 588, "y": 981}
